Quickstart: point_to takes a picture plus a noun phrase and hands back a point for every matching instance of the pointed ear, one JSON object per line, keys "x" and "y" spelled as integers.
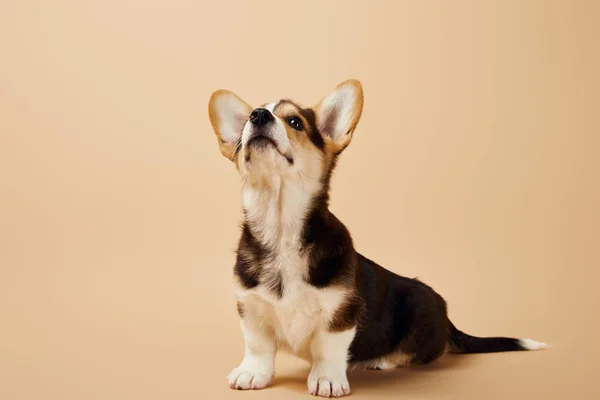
{"x": 338, "y": 113}
{"x": 228, "y": 114}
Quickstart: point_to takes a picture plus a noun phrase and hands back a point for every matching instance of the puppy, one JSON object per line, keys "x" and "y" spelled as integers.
{"x": 300, "y": 284}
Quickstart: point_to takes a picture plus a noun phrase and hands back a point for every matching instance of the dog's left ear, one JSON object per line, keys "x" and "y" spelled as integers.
{"x": 338, "y": 113}
{"x": 228, "y": 114}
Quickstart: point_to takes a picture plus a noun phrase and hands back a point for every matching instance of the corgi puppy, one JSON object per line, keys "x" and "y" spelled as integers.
{"x": 300, "y": 285}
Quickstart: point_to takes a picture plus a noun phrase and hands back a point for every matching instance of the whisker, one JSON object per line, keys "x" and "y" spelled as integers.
{"x": 302, "y": 185}
{"x": 236, "y": 148}
{"x": 309, "y": 177}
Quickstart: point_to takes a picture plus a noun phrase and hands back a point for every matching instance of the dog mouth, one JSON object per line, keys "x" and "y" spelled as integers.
{"x": 263, "y": 142}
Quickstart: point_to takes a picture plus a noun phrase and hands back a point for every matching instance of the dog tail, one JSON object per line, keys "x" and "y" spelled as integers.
{"x": 460, "y": 342}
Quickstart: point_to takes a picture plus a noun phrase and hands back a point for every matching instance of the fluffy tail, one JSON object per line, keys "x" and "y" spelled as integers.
{"x": 460, "y": 342}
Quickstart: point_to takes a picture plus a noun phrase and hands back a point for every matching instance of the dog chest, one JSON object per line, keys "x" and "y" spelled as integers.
{"x": 292, "y": 308}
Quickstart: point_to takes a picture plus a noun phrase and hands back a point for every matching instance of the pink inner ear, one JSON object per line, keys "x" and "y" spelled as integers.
{"x": 232, "y": 124}
{"x": 228, "y": 114}
{"x": 241, "y": 120}
{"x": 337, "y": 111}
{"x": 329, "y": 122}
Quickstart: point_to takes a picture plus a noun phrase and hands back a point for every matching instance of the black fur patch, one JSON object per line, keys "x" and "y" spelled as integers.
{"x": 401, "y": 314}
{"x": 462, "y": 343}
{"x": 313, "y": 131}
{"x": 311, "y": 123}
{"x": 332, "y": 259}
{"x": 251, "y": 255}
{"x": 246, "y": 273}
{"x": 274, "y": 283}
{"x": 346, "y": 315}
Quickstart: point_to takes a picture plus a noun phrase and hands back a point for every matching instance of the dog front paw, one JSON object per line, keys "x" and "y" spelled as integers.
{"x": 328, "y": 386}
{"x": 245, "y": 379}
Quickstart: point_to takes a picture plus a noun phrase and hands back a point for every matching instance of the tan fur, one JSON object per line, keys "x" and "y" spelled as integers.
{"x": 226, "y": 146}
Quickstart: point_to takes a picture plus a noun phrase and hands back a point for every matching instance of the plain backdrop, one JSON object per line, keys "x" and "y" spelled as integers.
{"x": 474, "y": 167}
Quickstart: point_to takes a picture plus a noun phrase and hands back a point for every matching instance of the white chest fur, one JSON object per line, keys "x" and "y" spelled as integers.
{"x": 301, "y": 310}
{"x": 276, "y": 209}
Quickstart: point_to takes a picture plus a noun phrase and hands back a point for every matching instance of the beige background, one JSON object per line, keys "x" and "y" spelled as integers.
{"x": 475, "y": 167}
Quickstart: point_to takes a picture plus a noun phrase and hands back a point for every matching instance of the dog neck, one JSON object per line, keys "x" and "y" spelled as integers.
{"x": 276, "y": 207}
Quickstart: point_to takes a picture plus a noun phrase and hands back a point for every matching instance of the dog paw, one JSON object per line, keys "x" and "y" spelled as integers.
{"x": 328, "y": 387}
{"x": 244, "y": 379}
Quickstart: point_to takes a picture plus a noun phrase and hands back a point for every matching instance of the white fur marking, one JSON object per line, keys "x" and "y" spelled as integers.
{"x": 258, "y": 366}
{"x": 390, "y": 361}
{"x": 529, "y": 344}
{"x": 329, "y": 352}
{"x": 278, "y": 133}
{"x": 271, "y": 106}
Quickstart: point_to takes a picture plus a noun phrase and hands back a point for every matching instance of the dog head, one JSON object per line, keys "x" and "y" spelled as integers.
{"x": 283, "y": 139}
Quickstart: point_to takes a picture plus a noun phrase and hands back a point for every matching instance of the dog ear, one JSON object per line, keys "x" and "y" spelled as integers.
{"x": 338, "y": 113}
{"x": 228, "y": 114}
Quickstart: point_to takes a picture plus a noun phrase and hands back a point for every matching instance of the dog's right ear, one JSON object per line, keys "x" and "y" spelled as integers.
{"x": 228, "y": 114}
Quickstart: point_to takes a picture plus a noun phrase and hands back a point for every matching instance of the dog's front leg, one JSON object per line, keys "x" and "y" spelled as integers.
{"x": 329, "y": 352}
{"x": 258, "y": 366}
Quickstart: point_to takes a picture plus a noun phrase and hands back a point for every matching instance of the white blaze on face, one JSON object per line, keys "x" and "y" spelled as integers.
{"x": 271, "y": 106}
{"x": 276, "y": 131}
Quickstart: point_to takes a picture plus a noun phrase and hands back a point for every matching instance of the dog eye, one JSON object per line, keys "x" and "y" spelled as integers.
{"x": 295, "y": 123}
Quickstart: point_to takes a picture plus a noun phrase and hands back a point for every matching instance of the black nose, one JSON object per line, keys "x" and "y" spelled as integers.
{"x": 261, "y": 116}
